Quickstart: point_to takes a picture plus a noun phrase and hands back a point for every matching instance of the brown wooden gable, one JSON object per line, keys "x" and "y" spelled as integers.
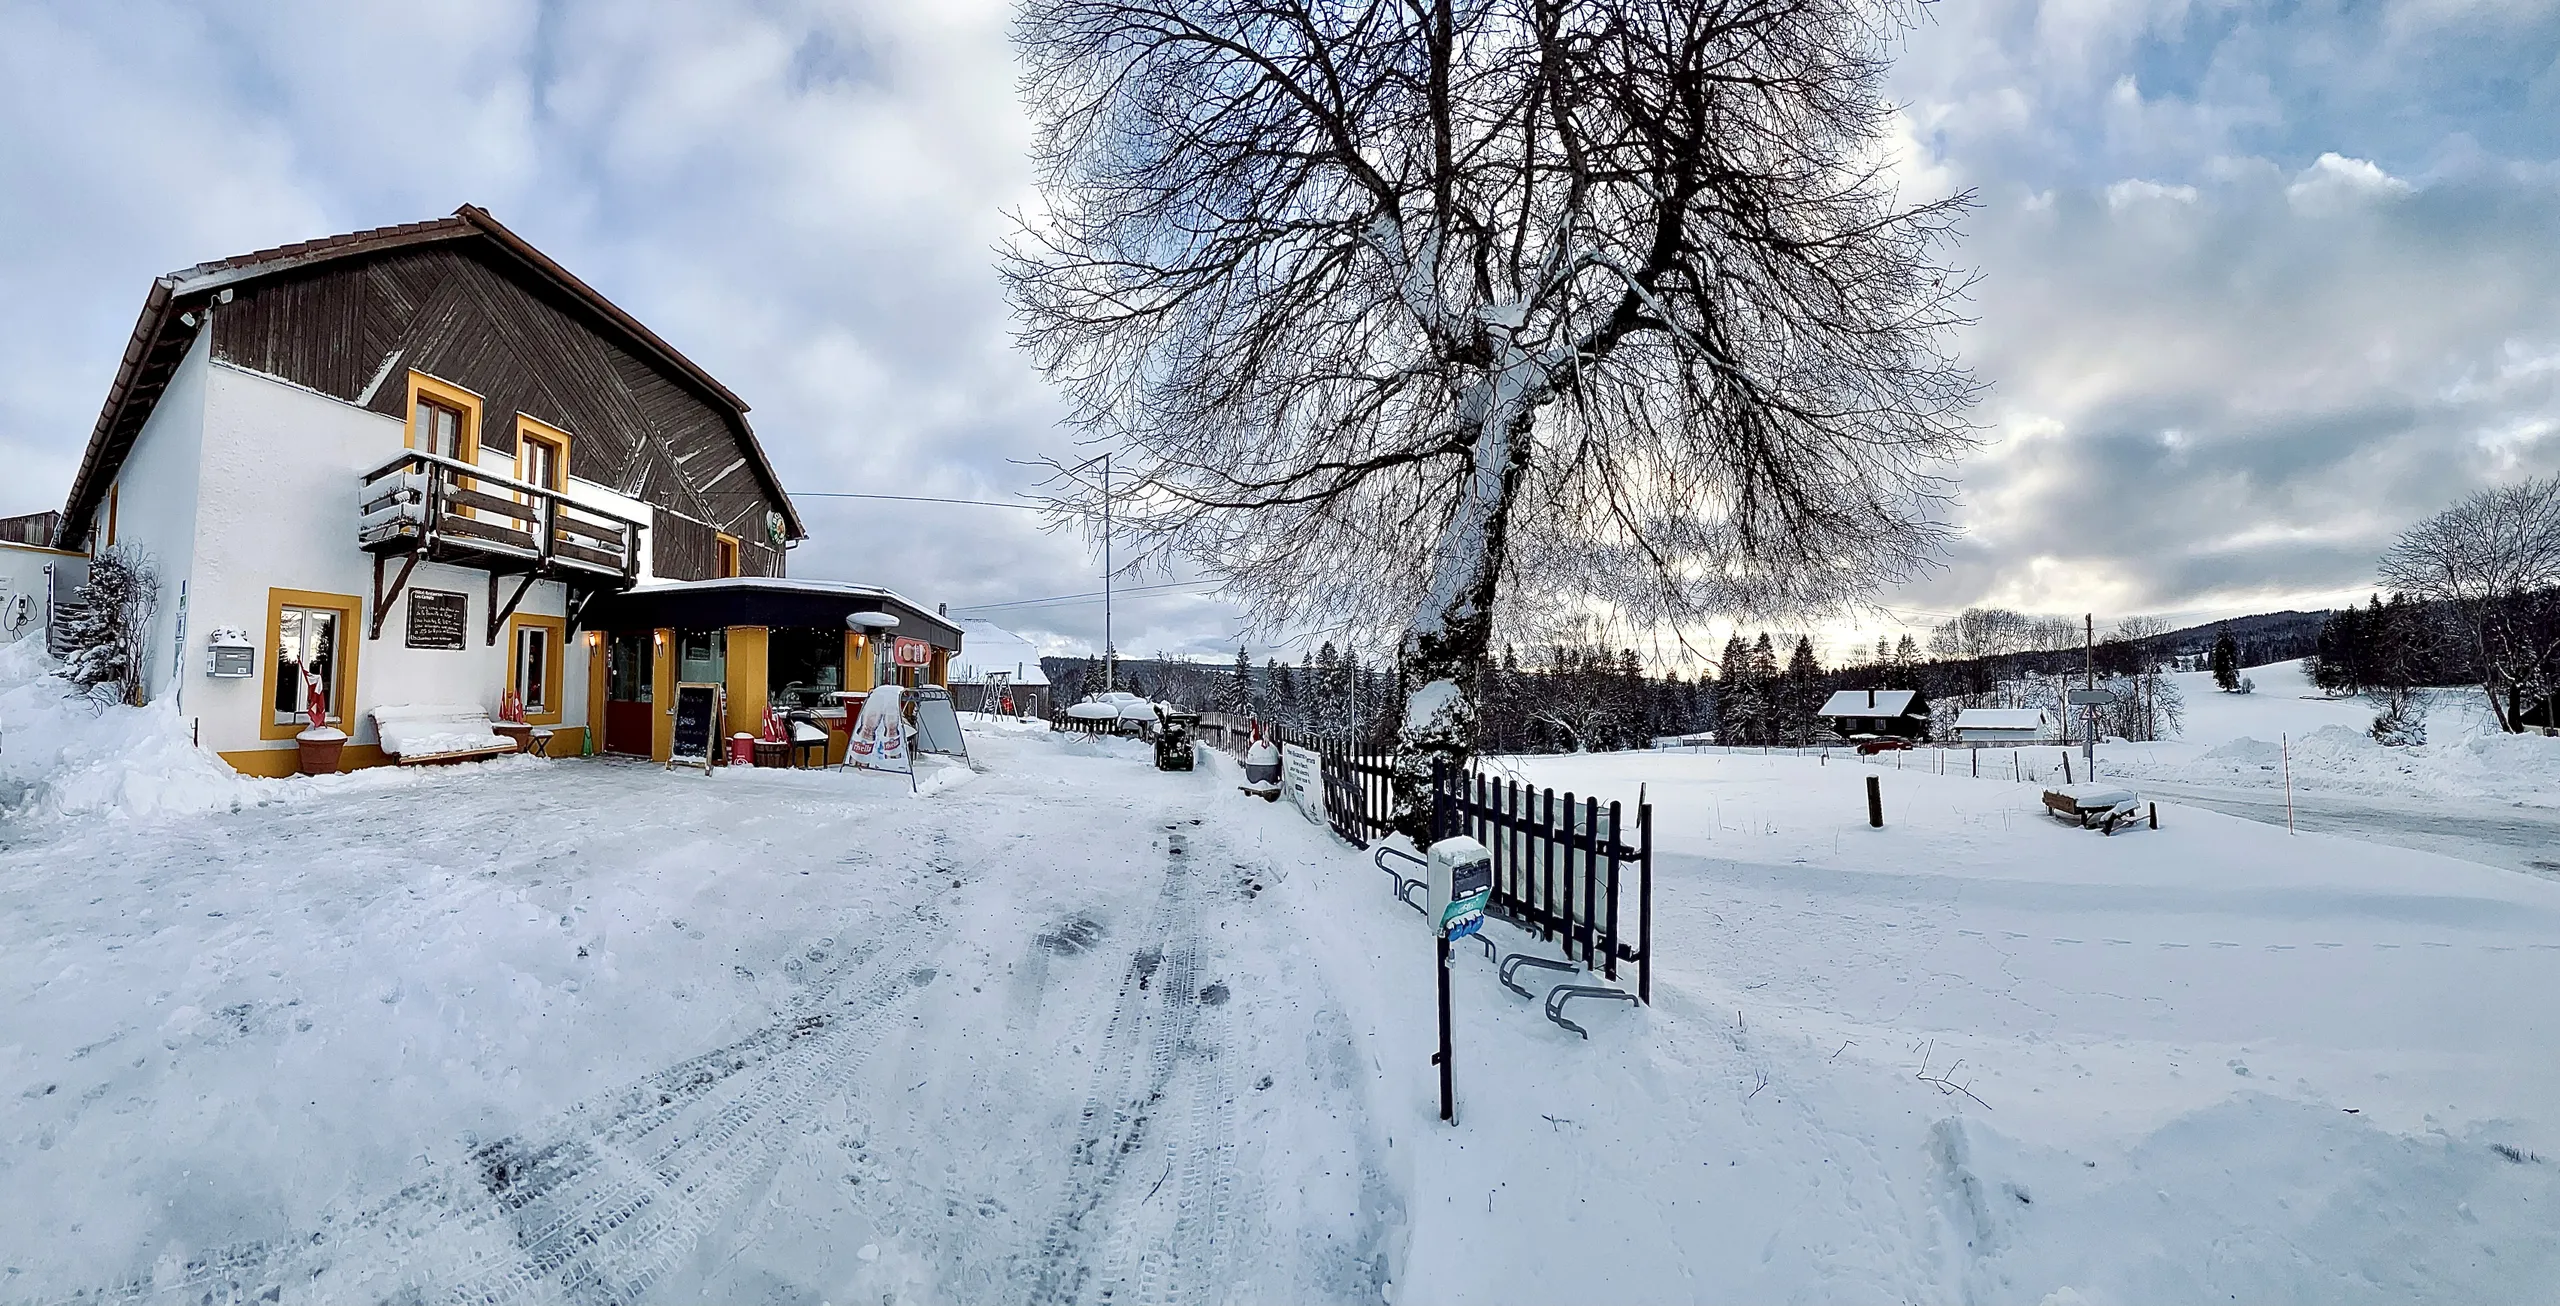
{"x": 453, "y": 311}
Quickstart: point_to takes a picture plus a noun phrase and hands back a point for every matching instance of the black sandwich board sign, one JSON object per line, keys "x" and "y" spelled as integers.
{"x": 698, "y": 717}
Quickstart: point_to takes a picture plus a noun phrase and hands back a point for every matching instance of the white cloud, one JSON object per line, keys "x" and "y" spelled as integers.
{"x": 2134, "y": 190}
{"x": 2335, "y": 183}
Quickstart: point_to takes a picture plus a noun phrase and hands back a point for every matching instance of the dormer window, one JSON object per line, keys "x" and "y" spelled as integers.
{"x": 439, "y": 429}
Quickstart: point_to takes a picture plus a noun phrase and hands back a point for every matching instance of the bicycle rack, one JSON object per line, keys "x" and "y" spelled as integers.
{"x": 1511, "y": 966}
{"x": 1403, "y": 887}
{"x": 1564, "y": 993}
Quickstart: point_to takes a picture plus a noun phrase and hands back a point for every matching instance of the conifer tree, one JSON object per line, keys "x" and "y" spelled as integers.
{"x": 2226, "y": 663}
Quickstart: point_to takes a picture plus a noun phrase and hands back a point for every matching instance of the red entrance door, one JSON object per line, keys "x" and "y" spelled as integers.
{"x": 630, "y": 719}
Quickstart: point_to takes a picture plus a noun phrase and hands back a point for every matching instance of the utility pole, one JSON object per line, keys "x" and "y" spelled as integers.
{"x": 2089, "y": 672}
{"x": 1109, "y": 649}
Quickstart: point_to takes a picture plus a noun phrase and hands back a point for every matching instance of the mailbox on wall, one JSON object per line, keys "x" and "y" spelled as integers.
{"x": 229, "y": 655}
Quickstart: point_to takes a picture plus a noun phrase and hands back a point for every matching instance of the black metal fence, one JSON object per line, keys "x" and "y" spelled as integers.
{"x": 1559, "y": 865}
{"x": 1359, "y": 793}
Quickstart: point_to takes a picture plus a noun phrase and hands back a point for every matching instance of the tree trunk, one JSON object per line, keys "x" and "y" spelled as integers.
{"x": 1452, "y": 628}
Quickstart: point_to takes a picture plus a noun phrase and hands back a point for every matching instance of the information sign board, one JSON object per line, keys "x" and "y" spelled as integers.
{"x": 437, "y": 618}
{"x": 697, "y": 713}
{"x": 2092, "y": 697}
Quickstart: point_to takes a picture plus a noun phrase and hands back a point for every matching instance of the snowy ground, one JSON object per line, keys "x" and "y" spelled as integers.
{"x": 2470, "y": 791}
{"x": 1070, "y": 1029}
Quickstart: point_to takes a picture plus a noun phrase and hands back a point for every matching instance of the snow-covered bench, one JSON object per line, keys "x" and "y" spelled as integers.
{"x": 2088, "y": 805}
{"x": 418, "y": 733}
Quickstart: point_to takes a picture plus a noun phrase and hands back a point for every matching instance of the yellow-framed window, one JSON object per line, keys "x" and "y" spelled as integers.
{"x": 312, "y": 639}
{"x": 535, "y": 665}
{"x": 542, "y": 454}
{"x": 724, "y": 555}
{"x": 444, "y": 419}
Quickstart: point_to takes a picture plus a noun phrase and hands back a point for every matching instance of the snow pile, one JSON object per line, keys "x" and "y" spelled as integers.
{"x": 2240, "y": 741}
{"x": 66, "y": 755}
{"x": 2520, "y": 769}
{"x": 2245, "y": 752}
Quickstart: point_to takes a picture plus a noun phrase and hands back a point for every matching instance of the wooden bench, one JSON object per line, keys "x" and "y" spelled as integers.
{"x": 2093, "y": 805}
{"x": 420, "y": 734}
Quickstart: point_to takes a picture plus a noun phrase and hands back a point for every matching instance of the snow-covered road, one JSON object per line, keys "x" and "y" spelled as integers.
{"x": 1071, "y": 1029}
{"x": 2514, "y": 836}
{"x": 604, "y": 1033}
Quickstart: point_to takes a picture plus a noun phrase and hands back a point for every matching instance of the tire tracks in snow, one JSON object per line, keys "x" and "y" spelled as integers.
{"x": 1164, "y": 1092}
{"x": 600, "y": 1202}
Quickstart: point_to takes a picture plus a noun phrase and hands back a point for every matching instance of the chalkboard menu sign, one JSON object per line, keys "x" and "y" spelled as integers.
{"x": 697, "y": 722}
{"x": 436, "y": 618}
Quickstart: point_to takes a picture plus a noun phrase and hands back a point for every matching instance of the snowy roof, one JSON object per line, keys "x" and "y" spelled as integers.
{"x": 2002, "y": 718}
{"x": 991, "y": 647}
{"x": 765, "y": 601}
{"x": 1868, "y": 702}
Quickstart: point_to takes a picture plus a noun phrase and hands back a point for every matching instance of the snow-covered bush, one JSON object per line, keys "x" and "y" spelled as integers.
{"x": 2402, "y": 721}
{"x": 106, "y": 633}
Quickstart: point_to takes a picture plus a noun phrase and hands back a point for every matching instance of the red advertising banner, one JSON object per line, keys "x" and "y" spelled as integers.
{"x": 911, "y": 652}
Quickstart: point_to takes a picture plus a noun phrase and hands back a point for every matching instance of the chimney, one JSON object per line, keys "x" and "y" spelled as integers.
{"x": 1871, "y": 698}
{"x": 942, "y": 609}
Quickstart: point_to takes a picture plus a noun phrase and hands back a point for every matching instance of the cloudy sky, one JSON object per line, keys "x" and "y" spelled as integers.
{"x": 2261, "y": 283}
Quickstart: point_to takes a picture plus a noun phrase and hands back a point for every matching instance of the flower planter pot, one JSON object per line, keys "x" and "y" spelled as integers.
{"x": 320, "y": 748}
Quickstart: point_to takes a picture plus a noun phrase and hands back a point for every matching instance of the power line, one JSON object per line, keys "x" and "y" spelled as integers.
{"x": 1089, "y": 596}
{"x": 918, "y": 498}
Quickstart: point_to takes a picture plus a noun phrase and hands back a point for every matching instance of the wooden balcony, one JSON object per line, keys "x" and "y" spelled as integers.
{"x": 425, "y": 506}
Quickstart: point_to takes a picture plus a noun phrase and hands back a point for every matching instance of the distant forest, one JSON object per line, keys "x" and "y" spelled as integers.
{"x": 1578, "y": 694}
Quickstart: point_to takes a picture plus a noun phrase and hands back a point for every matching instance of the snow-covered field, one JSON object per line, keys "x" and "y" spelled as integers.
{"x": 1070, "y": 1029}
{"x": 2241, "y": 740}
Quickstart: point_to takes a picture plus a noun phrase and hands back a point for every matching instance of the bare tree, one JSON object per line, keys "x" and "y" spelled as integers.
{"x": 1404, "y": 312}
{"x": 2494, "y": 561}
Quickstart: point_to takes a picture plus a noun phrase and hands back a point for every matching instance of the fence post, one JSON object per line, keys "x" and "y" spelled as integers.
{"x": 1644, "y": 902}
{"x": 1547, "y": 889}
{"x": 1615, "y": 845}
{"x": 1875, "y": 801}
{"x": 1590, "y": 877}
{"x": 1440, "y": 804}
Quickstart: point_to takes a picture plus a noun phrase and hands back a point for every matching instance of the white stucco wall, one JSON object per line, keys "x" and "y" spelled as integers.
{"x": 155, "y": 495}
{"x": 278, "y": 507}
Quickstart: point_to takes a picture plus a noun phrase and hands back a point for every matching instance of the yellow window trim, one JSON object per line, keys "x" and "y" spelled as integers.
{"x": 535, "y": 429}
{"x": 559, "y": 628}
{"x": 423, "y": 386}
{"x": 350, "y": 609}
{"x": 736, "y": 561}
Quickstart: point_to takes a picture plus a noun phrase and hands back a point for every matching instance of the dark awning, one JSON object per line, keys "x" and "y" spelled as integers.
{"x": 763, "y": 601}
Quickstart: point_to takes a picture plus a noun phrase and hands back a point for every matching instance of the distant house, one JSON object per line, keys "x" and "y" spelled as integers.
{"x": 2004, "y": 725}
{"x": 1868, "y": 713}
{"x": 2544, "y": 715}
{"x": 993, "y": 650}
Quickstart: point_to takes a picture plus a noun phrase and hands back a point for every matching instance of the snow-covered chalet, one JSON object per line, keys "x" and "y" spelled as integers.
{"x": 425, "y": 464}
{"x": 1874, "y": 713}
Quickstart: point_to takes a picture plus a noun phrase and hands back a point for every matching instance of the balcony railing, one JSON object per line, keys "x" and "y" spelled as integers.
{"x": 428, "y": 506}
